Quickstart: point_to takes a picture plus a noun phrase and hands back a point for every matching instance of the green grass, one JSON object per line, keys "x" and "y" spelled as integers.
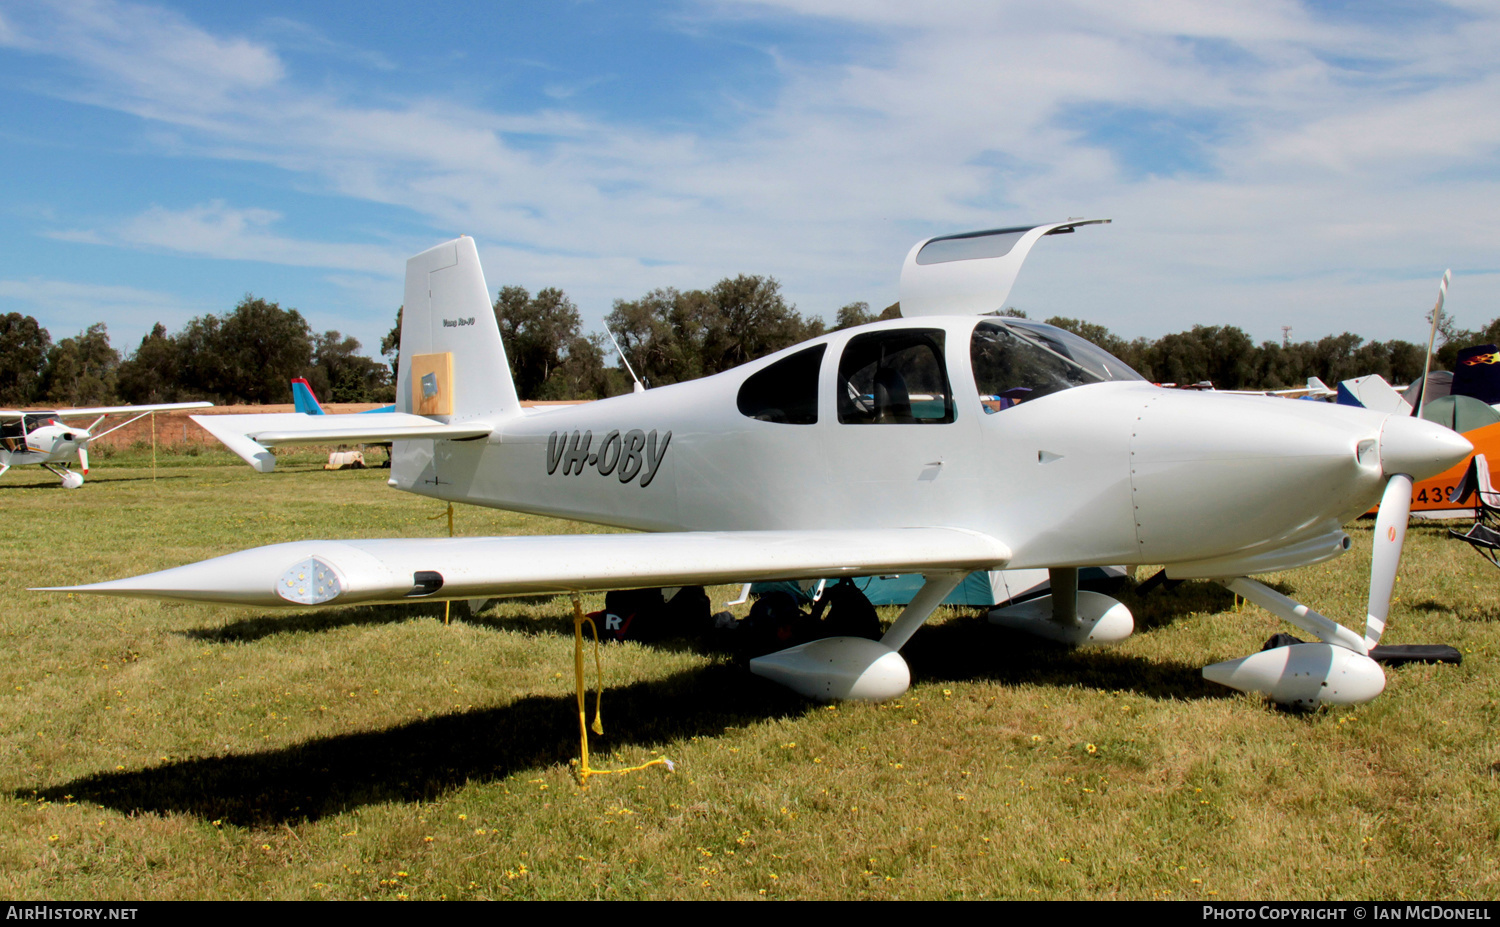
{"x": 155, "y": 751}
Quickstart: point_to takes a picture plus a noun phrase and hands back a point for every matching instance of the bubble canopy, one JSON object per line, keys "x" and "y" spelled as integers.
{"x": 1017, "y": 360}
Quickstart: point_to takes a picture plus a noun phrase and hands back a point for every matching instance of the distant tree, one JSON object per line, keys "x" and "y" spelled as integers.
{"x": 249, "y": 355}
{"x": 549, "y": 356}
{"x": 657, "y": 333}
{"x": 671, "y": 336}
{"x": 1220, "y": 354}
{"x": 81, "y": 371}
{"x": 341, "y": 374}
{"x": 859, "y": 314}
{"x": 23, "y": 356}
{"x": 851, "y": 315}
{"x": 150, "y": 375}
{"x": 748, "y": 318}
{"x": 390, "y": 345}
{"x": 1452, "y": 339}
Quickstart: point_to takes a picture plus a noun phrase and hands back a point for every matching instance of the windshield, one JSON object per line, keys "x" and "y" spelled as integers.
{"x": 1084, "y": 353}
{"x": 1016, "y": 361}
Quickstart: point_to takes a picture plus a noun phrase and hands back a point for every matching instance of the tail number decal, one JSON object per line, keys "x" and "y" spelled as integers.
{"x": 624, "y": 454}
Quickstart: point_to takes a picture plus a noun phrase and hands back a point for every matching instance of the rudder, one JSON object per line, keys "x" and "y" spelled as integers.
{"x": 303, "y": 398}
{"x": 452, "y": 365}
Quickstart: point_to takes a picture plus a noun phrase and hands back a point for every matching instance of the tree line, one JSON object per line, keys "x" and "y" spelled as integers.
{"x": 250, "y": 354}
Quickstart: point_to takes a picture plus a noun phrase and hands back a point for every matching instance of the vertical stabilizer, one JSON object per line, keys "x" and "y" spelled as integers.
{"x": 303, "y": 399}
{"x": 1372, "y": 392}
{"x": 452, "y": 365}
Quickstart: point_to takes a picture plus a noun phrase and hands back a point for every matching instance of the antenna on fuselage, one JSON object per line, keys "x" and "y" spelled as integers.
{"x": 639, "y": 386}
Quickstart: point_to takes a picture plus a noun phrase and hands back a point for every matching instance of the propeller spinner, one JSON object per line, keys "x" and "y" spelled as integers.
{"x": 1338, "y": 669}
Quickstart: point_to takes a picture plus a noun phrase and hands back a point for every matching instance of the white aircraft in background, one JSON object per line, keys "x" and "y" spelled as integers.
{"x": 941, "y": 443}
{"x": 46, "y": 439}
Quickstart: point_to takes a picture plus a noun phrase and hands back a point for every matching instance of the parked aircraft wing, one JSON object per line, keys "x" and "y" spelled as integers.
{"x": 971, "y": 273}
{"x": 115, "y": 410}
{"x": 251, "y": 436}
{"x": 303, "y": 573}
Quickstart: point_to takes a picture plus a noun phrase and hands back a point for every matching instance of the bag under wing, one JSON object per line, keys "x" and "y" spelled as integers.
{"x": 304, "y": 573}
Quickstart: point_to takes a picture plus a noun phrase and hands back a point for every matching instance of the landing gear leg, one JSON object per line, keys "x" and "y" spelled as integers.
{"x": 1067, "y": 615}
{"x": 70, "y": 478}
{"x": 855, "y": 667}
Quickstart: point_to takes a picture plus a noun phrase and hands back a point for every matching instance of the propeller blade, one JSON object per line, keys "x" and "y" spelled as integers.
{"x": 1437, "y": 315}
{"x": 83, "y": 457}
{"x": 1390, "y": 534}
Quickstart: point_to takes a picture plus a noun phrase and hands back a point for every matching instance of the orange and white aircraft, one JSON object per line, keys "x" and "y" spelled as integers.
{"x": 1468, "y": 408}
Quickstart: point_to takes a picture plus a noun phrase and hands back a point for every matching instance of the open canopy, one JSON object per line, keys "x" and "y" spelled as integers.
{"x": 971, "y": 273}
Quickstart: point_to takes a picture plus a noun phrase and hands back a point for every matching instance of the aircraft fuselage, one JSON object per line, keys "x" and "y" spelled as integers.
{"x": 43, "y": 445}
{"x": 1104, "y": 473}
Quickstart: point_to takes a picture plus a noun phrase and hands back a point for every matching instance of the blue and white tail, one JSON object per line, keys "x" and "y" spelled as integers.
{"x": 452, "y": 365}
{"x": 303, "y": 398}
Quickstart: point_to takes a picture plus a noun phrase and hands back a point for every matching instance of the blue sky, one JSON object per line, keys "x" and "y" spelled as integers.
{"x": 1272, "y": 163}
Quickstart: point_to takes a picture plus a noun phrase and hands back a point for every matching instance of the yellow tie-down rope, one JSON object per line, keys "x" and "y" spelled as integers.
{"x": 583, "y": 726}
{"x": 447, "y": 605}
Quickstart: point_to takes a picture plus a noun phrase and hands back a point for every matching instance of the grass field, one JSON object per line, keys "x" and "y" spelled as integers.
{"x": 160, "y": 752}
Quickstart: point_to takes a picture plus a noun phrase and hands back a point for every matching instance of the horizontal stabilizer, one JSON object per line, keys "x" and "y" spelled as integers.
{"x": 251, "y": 436}
{"x": 305, "y": 573}
{"x": 375, "y": 431}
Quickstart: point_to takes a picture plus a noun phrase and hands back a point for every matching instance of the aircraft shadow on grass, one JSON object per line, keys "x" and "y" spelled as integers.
{"x": 422, "y": 760}
{"x": 52, "y": 484}
{"x": 246, "y": 630}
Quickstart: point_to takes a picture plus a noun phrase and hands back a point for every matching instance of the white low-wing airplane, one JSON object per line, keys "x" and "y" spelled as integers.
{"x": 941, "y": 443}
{"x": 46, "y": 439}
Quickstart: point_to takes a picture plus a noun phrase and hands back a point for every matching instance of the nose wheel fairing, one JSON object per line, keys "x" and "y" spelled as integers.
{"x": 71, "y": 479}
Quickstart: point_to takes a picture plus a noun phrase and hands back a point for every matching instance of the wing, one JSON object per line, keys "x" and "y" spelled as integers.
{"x": 305, "y": 573}
{"x": 122, "y": 410}
{"x": 252, "y": 436}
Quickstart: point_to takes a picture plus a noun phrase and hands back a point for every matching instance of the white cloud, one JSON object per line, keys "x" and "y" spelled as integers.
{"x": 218, "y": 231}
{"x": 66, "y": 308}
{"x": 1338, "y": 158}
{"x": 144, "y": 58}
